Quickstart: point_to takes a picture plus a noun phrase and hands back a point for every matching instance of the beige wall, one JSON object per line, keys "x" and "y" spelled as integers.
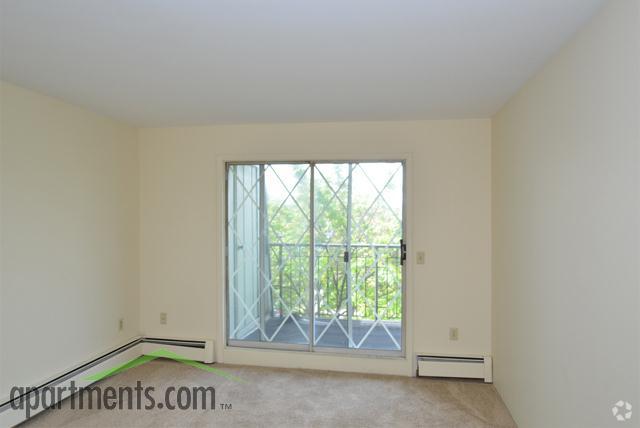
{"x": 449, "y": 179}
{"x": 69, "y": 233}
{"x": 566, "y": 228}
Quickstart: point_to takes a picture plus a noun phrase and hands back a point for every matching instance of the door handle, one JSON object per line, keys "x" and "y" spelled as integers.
{"x": 403, "y": 252}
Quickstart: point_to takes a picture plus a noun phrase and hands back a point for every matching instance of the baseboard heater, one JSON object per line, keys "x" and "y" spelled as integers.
{"x": 471, "y": 367}
{"x": 196, "y": 350}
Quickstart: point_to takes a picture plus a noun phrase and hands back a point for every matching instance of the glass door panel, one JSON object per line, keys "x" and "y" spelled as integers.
{"x": 358, "y": 273}
{"x": 268, "y": 228}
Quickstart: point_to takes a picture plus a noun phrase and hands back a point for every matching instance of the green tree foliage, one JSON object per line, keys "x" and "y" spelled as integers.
{"x": 375, "y": 234}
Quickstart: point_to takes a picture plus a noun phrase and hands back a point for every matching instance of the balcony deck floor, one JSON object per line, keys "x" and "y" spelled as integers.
{"x": 333, "y": 337}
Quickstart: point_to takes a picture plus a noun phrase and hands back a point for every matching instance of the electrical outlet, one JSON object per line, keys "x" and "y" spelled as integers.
{"x": 453, "y": 333}
{"x": 163, "y": 317}
{"x": 121, "y": 324}
{"x": 420, "y": 257}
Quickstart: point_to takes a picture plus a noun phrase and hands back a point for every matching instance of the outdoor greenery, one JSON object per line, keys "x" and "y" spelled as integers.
{"x": 375, "y": 234}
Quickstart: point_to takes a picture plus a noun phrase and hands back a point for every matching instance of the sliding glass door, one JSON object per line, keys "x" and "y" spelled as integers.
{"x": 314, "y": 255}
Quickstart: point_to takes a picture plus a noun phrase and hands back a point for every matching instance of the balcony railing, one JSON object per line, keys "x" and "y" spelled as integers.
{"x": 376, "y": 280}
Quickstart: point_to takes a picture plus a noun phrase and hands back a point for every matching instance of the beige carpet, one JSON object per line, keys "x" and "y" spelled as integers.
{"x": 294, "y": 398}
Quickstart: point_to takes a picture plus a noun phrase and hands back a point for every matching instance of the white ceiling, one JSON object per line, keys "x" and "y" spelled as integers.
{"x": 179, "y": 62}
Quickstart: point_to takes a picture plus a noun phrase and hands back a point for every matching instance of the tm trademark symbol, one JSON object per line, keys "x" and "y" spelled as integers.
{"x": 225, "y": 406}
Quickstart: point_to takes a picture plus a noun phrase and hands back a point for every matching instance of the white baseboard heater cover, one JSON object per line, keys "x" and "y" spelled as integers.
{"x": 197, "y": 350}
{"x": 473, "y": 367}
